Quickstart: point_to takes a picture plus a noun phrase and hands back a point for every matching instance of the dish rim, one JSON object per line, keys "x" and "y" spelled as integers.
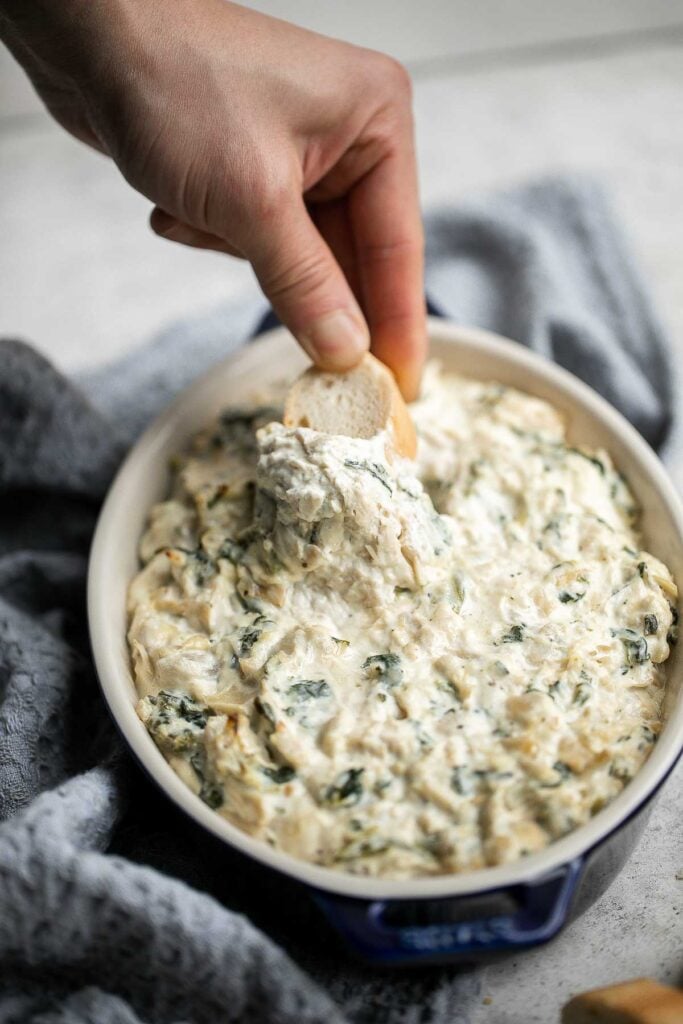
{"x": 115, "y": 681}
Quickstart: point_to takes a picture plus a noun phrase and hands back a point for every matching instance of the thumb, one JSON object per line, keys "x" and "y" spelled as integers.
{"x": 307, "y": 288}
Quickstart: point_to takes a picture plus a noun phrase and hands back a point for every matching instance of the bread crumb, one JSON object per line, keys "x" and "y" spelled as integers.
{"x": 642, "y": 1001}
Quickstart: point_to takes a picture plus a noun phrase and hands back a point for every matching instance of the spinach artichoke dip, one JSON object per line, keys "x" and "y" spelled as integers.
{"x": 396, "y": 668}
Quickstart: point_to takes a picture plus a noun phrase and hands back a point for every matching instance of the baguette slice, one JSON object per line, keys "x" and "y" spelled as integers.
{"x": 642, "y": 1001}
{"x": 359, "y": 403}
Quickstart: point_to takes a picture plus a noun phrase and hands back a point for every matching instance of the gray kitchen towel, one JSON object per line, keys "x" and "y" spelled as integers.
{"x": 113, "y": 907}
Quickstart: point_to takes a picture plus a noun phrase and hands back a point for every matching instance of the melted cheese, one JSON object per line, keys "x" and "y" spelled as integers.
{"x": 402, "y": 669}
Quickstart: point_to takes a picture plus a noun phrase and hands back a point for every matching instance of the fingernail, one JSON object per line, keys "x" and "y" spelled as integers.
{"x": 337, "y": 340}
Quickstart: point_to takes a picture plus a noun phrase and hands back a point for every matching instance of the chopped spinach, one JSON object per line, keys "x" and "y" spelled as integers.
{"x": 181, "y": 705}
{"x": 309, "y": 689}
{"x": 423, "y": 737}
{"x": 635, "y": 646}
{"x": 265, "y": 710}
{"x": 386, "y": 667}
{"x": 217, "y": 496}
{"x": 346, "y": 790}
{"x": 369, "y": 847}
{"x": 406, "y": 490}
{"x": 210, "y": 792}
{"x": 204, "y": 568}
{"x": 555, "y": 688}
{"x": 590, "y": 458}
{"x": 374, "y": 469}
{"x": 650, "y": 625}
{"x": 460, "y": 780}
{"x": 672, "y": 635}
{"x": 232, "y": 550}
{"x": 177, "y": 721}
{"x": 642, "y": 570}
{"x": 515, "y": 635}
{"x": 341, "y": 643}
{"x": 553, "y": 525}
{"x": 450, "y": 687}
{"x": 583, "y": 690}
{"x": 491, "y": 773}
{"x": 567, "y": 597}
{"x": 283, "y": 773}
{"x": 603, "y": 522}
{"x": 618, "y": 770}
{"x": 248, "y": 637}
{"x": 563, "y": 770}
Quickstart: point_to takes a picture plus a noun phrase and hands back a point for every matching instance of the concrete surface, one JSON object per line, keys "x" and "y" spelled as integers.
{"x": 503, "y": 92}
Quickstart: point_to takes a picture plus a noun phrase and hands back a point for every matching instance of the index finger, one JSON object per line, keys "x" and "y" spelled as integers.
{"x": 389, "y": 247}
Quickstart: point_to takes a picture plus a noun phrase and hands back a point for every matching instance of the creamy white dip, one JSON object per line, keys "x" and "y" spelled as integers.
{"x": 399, "y": 668}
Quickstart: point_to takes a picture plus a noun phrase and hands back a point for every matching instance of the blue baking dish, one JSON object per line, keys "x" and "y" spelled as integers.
{"x": 440, "y": 919}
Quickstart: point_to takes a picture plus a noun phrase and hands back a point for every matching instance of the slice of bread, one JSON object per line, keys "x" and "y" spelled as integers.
{"x": 359, "y": 403}
{"x": 642, "y": 1001}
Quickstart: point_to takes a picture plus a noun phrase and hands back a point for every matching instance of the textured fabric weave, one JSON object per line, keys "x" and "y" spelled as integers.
{"x": 114, "y": 908}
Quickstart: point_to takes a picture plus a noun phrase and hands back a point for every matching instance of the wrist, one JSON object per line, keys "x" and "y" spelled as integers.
{"x": 56, "y": 38}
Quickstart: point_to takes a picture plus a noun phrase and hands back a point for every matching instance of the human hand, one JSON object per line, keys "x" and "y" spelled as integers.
{"x": 259, "y": 139}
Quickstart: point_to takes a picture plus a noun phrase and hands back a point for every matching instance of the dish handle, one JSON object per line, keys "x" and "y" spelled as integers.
{"x": 458, "y": 927}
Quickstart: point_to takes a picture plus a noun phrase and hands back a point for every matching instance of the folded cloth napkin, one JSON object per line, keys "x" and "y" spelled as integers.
{"x": 113, "y": 907}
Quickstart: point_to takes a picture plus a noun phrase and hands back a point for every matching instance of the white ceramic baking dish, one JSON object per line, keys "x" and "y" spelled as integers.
{"x": 441, "y": 918}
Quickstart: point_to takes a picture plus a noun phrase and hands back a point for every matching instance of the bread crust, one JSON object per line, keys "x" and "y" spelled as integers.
{"x": 642, "y": 1001}
{"x": 359, "y": 403}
